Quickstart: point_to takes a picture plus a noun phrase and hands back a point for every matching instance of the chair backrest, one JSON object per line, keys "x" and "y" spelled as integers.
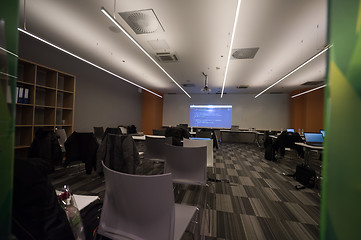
{"x": 123, "y": 129}
{"x": 200, "y": 143}
{"x": 154, "y": 147}
{"x": 116, "y": 131}
{"x": 98, "y": 132}
{"x": 62, "y": 138}
{"x": 137, "y": 206}
{"x": 188, "y": 165}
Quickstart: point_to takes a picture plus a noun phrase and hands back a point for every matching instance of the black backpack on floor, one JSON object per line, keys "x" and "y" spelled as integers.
{"x": 305, "y": 175}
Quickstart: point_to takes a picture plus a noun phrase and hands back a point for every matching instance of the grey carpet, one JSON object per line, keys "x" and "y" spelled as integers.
{"x": 253, "y": 200}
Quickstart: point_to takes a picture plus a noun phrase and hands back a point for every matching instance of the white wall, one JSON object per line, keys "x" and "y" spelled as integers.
{"x": 269, "y": 111}
{"x": 100, "y": 99}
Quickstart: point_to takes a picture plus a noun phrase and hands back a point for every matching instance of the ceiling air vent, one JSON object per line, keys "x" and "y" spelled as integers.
{"x": 312, "y": 83}
{"x": 142, "y": 21}
{"x": 167, "y": 57}
{"x": 244, "y": 53}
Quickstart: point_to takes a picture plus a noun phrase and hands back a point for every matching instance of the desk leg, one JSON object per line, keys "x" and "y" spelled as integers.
{"x": 257, "y": 140}
{"x": 307, "y": 156}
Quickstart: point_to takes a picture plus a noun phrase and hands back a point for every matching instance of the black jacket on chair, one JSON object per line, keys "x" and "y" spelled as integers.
{"x": 119, "y": 153}
{"x": 81, "y": 147}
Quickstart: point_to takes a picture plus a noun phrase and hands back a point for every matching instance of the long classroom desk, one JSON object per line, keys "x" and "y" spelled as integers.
{"x": 307, "y": 149}
{"x": 240, "y": 136}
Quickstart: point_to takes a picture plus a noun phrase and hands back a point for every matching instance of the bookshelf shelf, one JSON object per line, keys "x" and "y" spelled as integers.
{"x": 49, "y": 104}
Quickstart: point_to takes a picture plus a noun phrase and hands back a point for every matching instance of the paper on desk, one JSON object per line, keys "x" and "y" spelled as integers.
{"x": 84, "y": 200}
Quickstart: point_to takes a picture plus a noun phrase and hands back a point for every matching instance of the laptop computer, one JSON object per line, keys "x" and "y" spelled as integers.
{"x": 290, "y": 130}
{"x": 314, "y": 139}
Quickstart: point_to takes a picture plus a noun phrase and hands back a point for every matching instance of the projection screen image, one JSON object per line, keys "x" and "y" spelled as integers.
{"x": 211, "y": 116}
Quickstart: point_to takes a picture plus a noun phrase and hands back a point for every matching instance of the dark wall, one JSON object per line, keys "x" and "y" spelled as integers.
{"x": 100, "y": 99}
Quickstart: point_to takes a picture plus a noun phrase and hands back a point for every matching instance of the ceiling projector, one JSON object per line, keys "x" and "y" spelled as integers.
{"x": 205, "y": 88}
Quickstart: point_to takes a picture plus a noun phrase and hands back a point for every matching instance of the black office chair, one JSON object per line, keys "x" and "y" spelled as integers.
{"x": 287, "y": 140}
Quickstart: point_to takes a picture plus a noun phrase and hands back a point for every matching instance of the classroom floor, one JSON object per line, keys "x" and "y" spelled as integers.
{"x": 252, "y": 199}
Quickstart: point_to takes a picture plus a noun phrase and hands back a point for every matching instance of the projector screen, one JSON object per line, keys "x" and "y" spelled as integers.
{"x": 212, "y": 116}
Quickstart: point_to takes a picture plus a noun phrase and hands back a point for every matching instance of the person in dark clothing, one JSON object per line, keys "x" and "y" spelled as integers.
{"x": 36, "y": 213}
{"x": 46, "y": 146}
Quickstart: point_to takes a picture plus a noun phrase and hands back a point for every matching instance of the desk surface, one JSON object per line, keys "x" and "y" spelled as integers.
{"x": 238, "y": 131}
{"x": 84, "y": 200}
{"x": 309, "y": 146}
{"x": 142, "y": 138}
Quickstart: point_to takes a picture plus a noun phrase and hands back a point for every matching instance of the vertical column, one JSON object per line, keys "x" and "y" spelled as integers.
{"x": 341, "y": 187}
{"x": 8, "y": 71}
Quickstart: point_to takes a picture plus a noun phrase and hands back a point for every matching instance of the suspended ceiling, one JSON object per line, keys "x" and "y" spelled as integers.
{"x": 191, "y": 37}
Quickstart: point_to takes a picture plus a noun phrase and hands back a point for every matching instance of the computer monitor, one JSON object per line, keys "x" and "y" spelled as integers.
{"x": 314, "y": 139}
{"x": 322, "y": 132}
{"x": 290, "y": 130}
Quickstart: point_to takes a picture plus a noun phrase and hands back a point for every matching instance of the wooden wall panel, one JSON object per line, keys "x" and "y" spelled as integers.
{"x": 314, "y": 111}
{"x": 307, "y": 111}
{"x": 152, "y": 112}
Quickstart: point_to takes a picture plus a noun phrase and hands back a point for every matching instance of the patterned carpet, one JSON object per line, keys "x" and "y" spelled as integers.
{"x": 252, "y": 199}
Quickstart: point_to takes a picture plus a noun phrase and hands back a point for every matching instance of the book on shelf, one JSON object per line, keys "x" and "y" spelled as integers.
{"x": 20, "y": 95}
{"x": 26, "y": 96}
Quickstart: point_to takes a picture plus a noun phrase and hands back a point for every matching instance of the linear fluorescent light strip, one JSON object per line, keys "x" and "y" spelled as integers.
{"x": 231, "y": 45}
{"x": 7, "y": 51}
{"x": 311, "y": 90}
{"x": 140, "y": 47}
{"x": 11, "y": 53}
{"x": 88, "y": 62}
{"x": 294, "y": 70}
{"x": 8, "y": 75}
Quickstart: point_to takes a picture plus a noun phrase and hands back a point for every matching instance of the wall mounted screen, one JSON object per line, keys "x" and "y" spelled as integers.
{"x": 211, "y": 116}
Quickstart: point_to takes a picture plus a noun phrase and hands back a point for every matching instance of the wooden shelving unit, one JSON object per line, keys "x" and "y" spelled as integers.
{"x": 50, "y": 103}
